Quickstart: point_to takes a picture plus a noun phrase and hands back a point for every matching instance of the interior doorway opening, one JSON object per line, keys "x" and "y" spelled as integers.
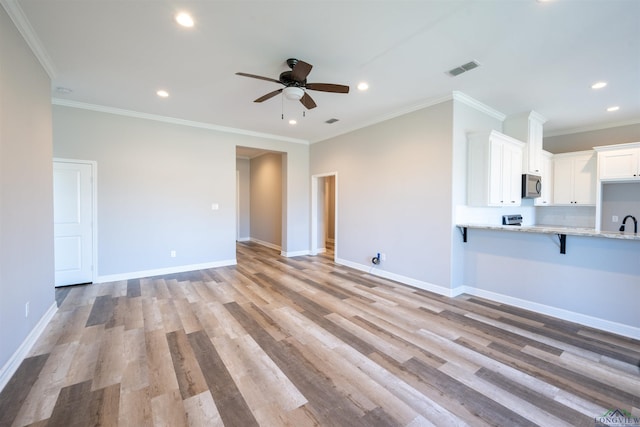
{"x": 324, "y": 214}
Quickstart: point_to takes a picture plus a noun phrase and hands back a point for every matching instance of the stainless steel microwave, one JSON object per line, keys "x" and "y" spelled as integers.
{"x": 531, "y": 186}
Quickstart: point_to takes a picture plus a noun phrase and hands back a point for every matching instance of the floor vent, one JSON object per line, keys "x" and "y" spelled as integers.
{"x": 463, "y": 68}
{"x": 331, "y": 121}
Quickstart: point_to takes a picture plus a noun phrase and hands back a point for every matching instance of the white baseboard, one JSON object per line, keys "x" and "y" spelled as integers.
{"x": 267, "y": 244}
{"x": 243, "y": 239}
{"x": 18, "y": 356}
{"x": 583, "y": 319}
{"x": 294, "y": 253}
{"x": 164, "y": 271}
{"x": 559, "y": 313}
{"x": 376, "y": 271}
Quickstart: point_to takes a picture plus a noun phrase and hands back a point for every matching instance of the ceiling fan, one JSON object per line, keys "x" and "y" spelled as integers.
{"x": 295, "y": 84}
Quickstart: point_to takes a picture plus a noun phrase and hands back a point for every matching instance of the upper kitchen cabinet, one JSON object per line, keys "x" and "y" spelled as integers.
{"x": 494, "y": 169}
{"x": 574, "y": 178}
{"x": 546, "y": 171}
{"x": 619, "y": 162}
{"x": 528, "y": 128}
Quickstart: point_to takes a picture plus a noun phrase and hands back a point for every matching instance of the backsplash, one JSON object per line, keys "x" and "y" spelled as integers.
{"x": 567, "y": 216}
{"x": 620, "y": 199}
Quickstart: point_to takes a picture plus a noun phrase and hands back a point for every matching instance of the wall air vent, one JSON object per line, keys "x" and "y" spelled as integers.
{"x": 463, "y": 68}
{"x": 331, "y": 121}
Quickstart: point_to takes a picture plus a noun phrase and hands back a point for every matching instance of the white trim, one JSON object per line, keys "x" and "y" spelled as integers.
{"x": 164, "y": 271}
{"x": 583, "y": 319}
{"x": 455, "y": 95}
{"x": 441, "y": 290}
{"x": 12, "y": 365}
{"x": 243, "y": 239}
{"x": 94, "y": 209}
{"x": 267, "y": 244}
{"x": 21, "y": 22}
{"x": 473, "y": 103}
{"x": 171, "y": 120}
{"x": 314, "y": 213}
{"x": 592, "y": 128}
{"x": 294, "y": 253}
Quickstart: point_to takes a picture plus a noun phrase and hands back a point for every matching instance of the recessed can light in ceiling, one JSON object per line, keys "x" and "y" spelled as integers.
{"x": 184, "y": 19}
{"x": 598, "y": 85}
{"x": 162, "y": 94}
{"x": 612, "y": 109}
{"x": 363, "y": 86}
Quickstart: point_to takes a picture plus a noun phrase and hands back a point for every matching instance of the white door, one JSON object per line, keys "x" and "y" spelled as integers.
{"x": 73, "y": 217}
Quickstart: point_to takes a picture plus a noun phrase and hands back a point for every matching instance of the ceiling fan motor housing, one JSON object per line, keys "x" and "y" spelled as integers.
{"x": 288, "y": 81}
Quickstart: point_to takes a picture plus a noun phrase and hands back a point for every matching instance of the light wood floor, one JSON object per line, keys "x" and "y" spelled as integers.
{"x": 302, "y": 341}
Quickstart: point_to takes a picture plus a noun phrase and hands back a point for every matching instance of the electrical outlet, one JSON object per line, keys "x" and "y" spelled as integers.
{"x": 173, "y": 254}
{"x": 26, "y": 309}
{"x": 614, "y": 218}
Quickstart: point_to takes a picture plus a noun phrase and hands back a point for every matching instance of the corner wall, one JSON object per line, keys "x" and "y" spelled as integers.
{"x": 26, "y": 197}
{"x": 394, "y": 195}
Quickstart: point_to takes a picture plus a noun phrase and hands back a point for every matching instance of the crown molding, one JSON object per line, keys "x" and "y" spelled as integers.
{"x": 473, "y": 103}
{"x": 29, "y": 35}
{"x": 172, "y": 120}
{"x": 602, "y": 126}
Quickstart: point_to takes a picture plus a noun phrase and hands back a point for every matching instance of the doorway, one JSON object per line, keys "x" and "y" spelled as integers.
{"x": 324, "y": 214}
{"x": 74, "y": 216}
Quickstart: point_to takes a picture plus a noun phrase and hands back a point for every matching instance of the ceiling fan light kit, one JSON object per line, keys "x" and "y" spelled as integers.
{"x": 295, "y": 84}
{"x": 293, "y": 93}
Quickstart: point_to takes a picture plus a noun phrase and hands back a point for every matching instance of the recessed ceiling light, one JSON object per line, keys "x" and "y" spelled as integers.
{"x": 162, "y": 93}
{"x": 598, "y": 85}
{"x": 184, "y": 19}
{"x": 614, "y": 108}
{"x": 292, "y": 122}
{"x": 363, "y": 86}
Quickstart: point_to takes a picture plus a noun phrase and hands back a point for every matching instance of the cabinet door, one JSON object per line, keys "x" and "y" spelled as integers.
{"x": 512, "y": 175}
{"x": 546, "y": 171}
{"x": 563, "y": 181}
{"x": 534, "y": 148}
{"x": 619, "y": 164}
{"x": 584, "y": 180}
{"x": 495, "y": 173}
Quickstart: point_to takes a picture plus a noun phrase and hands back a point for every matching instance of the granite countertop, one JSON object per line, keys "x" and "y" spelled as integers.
{"x": 552, "y": 229}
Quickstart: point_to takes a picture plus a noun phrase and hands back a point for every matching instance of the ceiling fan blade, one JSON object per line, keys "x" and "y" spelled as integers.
{"x": 307, "y": 101}
{"x": 253, "y": 76}
{"x": 328, "y": 87}
{"x": 269, "y": 95}
{"x": 300, "y": 71}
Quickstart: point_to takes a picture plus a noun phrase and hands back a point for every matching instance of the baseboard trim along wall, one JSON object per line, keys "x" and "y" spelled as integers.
{"x": 267, "y": 244}
{"x": 441, "y": 290}
{"x": 19, "y": 355}
{"x": 582, "y": 319}
{"x": 164, "y": 271}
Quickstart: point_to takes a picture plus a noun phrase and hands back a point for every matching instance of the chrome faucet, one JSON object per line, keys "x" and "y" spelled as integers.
{"x": 635, "y": 223}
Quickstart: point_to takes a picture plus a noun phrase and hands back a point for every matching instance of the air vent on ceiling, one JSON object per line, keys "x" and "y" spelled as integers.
{"x": 331, "y": 121}
{"x": 463, "y": 68}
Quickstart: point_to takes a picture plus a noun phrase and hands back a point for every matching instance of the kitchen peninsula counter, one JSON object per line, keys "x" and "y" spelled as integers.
{"x": 553, "y": 229}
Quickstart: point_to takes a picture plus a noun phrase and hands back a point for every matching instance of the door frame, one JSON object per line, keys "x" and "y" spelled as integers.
{"x": 314, "y": 212}
{"x": 94, "y": 210}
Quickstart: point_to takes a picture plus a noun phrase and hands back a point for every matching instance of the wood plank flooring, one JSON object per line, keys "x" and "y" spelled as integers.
{"x": 301, "y": 341}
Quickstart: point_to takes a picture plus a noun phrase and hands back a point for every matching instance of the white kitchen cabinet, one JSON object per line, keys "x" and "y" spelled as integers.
{"x": 574, "y": 178}
{"x": 528, "y": 128}
{"x": 546, "y": 171}
{"x": 494, "y": 169}
{"x": 619, "y": 162}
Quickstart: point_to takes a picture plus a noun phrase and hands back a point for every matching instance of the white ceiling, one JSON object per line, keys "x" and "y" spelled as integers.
{"x": 533, "y": 55}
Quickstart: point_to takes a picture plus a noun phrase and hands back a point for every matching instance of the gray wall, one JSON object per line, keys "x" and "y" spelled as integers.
{"x": 394, "y": 193}
{"x": 620, "y": 199}
{"x": 26, "y": 190}
{"x": 587, "y": 140}
{"x": 266, "y": 199}
{"x": 157, "y": 182}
